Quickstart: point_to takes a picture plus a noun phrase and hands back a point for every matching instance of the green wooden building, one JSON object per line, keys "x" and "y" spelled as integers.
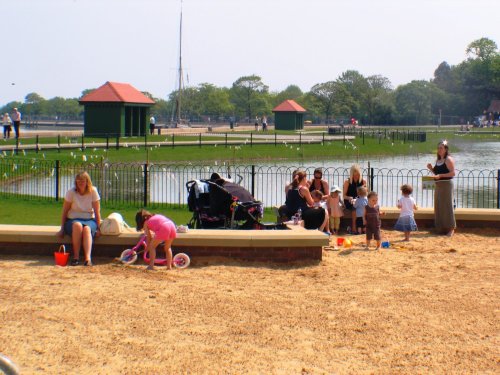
{"x": 289, "y": 116}
{"x": 116, "y": 109}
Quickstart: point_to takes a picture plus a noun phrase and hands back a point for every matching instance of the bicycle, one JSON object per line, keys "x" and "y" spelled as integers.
{"x": 129, "y": 256}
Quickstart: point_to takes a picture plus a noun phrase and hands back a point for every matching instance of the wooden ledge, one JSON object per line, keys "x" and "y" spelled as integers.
{"x": 296, "y": 237}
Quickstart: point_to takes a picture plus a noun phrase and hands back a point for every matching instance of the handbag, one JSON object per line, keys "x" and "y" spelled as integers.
{"x": 113, "y": 225}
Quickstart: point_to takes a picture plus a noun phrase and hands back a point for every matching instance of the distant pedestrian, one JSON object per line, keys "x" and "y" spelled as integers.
{"x": 152, "y": 125}
{"x": 16, "y": 119}
{"x": 264, "y": 123}
{"x": 256, "y": 124}
{"x": 6, "y": 122}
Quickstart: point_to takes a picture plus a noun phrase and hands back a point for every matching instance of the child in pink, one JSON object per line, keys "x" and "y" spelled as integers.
{"x": 164, "y": 230}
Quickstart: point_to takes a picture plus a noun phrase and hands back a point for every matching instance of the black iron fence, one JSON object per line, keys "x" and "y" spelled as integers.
{"x": 164, "y": 185}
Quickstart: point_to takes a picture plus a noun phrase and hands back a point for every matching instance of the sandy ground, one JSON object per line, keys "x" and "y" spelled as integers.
{"x": 429, "y": 306}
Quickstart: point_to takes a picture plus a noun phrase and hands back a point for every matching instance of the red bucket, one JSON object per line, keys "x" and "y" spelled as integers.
{"x": 340, "y": 241}
{"x": 61, "y": 257}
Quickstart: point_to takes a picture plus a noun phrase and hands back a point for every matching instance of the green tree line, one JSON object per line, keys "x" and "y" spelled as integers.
{"x": 455, "y": 93}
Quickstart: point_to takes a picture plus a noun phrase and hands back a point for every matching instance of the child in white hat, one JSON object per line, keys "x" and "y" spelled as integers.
{"x": 335, "y": 208}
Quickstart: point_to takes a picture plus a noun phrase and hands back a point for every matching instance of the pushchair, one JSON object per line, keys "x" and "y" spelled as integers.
{"x": 222, "y": 204}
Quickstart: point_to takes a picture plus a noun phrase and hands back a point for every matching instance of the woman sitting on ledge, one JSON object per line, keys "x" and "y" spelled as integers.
{"x": 299, "y": 197}
{"x": 81, "y": 216}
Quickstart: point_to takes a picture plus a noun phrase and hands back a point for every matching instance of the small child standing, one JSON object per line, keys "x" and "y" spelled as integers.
{"x": 164, "y": 231}
{"x": 372, "y": 220}
{"x": 359, "y": 204}
{"x": 406, "y": 221}
{"x": 335, "y": 208}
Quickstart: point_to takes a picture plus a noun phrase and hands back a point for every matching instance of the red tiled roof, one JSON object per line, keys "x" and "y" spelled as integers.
{"x": 116, "y": 92}
{"x": 289, "y": 106}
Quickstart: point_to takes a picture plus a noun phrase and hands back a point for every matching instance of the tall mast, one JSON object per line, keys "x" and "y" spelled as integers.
{"x": 179, "y": 92}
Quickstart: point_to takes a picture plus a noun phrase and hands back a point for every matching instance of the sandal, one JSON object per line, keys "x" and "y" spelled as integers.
{"x": 88, "y": 263}
{"x": 75, "y": 262}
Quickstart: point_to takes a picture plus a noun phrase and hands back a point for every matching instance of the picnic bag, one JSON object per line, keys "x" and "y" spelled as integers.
{"x": 113, "y": 224}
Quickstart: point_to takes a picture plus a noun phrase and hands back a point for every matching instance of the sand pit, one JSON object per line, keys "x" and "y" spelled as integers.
{"x": 431, "y": 305}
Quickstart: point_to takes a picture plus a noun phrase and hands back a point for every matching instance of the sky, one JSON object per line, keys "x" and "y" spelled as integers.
{"x": 62, "y": 47}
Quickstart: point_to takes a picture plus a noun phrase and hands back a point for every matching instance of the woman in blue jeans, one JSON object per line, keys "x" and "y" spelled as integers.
{"x": 81, "y": 217}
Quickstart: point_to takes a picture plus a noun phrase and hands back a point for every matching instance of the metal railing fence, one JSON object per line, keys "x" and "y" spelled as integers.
{"x": 164, "y": 185}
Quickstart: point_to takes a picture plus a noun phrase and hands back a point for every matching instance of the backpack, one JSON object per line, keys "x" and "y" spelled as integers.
{"x": 113, "y": 224}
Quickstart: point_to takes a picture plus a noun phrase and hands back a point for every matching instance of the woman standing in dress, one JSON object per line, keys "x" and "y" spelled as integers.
{"x": 444, "y": 171}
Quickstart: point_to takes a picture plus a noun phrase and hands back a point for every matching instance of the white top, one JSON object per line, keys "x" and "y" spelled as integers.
{"x": 81, "y": 205}
{"x": 319, "y": 204}
{"x": 16, "y": 116}
{"x": 152, "y": 120}
{"x": 6, "y": 120}
{"x": 406, "y": 204}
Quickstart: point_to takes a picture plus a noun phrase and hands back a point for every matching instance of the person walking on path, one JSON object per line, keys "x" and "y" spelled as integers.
{"x": 16, "y": 119}
{"x": 6, "y": 122}
{"x": 444, "y": 171}
{"x": 152, "y": 125}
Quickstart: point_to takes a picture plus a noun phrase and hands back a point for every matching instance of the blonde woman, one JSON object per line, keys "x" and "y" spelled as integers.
{"x": 81, "y": 216}
{"x": 351, "y": 186}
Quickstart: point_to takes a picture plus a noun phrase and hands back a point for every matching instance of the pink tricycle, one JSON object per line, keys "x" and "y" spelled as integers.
{"x": 129, "y": 256}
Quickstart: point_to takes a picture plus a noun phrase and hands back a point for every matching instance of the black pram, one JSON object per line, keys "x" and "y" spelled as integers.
{"x": 222, "y": 204}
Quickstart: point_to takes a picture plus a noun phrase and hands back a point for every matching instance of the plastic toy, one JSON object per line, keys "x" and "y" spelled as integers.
{"x": 129, "y": 256}
{"x": 340, "y": 241}
{"x": 347, "y": 243}
{"x": 385, "y": 244}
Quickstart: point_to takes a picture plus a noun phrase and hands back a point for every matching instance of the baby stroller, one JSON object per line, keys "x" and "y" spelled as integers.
{"x": 222, "y": 204}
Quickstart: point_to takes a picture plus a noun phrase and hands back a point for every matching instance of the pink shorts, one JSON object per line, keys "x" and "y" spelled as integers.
{"x": 167, "y": 231}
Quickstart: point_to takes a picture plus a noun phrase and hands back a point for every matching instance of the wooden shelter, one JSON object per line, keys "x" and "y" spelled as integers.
{"x": 116, "y": 109}
{"x": 289, "y": 116}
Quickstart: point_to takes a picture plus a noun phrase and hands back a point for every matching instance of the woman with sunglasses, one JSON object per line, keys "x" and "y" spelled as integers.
{"x": 317, "y": 183}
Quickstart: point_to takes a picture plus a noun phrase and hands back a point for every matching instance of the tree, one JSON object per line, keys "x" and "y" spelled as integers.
{"x": 291, "y": 92}
{"x": 34, "y": 104}
{"x": 249, "y": 96}
{"x": 444, "y": 77}
{"x": 334, "y": 98}
{"x": 414, "y": 101}
{"x": 357, "y": 86}
{"x": 378, "y": 102}
{"x": 213, "y": 100}
{"x": 483, "y": 49}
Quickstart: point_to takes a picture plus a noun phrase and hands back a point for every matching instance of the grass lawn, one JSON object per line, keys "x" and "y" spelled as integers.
{"x": 243, "y": 153}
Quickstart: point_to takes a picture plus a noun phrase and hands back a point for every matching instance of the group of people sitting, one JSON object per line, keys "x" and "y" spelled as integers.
{"x": 321, "y": 207}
